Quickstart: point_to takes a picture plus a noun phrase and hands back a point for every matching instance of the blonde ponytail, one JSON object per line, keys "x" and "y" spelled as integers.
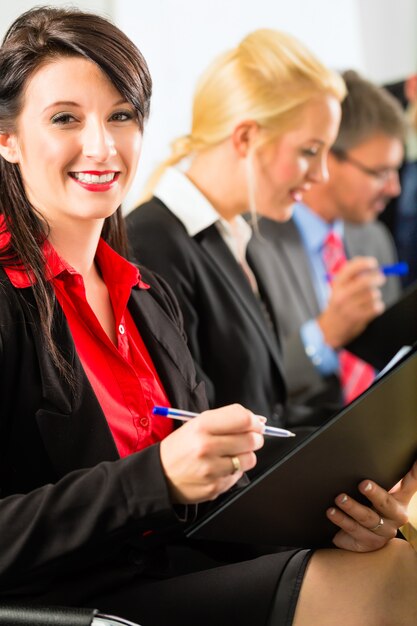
{"x": 181, "y": 148}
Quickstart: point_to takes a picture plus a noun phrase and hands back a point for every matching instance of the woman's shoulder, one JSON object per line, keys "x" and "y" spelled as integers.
{"x": 11, "y": 314}
{"x": 158, "y": 239}
{"x": 154, "y": 211}
{"x": 153, "y": 222}
{"x": 9, "y": 298}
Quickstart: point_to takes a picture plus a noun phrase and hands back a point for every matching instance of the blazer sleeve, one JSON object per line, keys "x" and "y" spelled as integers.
{"x": 88, "y": 510}
{"x": 301, "y": 376}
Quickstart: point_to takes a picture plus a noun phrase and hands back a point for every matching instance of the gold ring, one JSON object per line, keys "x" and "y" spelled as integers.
{"x": 236, "y": 464}
{"x": 380, "y": 523}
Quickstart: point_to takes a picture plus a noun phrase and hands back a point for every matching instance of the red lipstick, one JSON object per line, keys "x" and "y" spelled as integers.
{"x": 88, "y": 179}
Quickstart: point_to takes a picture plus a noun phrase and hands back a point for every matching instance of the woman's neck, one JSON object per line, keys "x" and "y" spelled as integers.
{"x": 77, "y": 245}
{"x": 215, "y": 173}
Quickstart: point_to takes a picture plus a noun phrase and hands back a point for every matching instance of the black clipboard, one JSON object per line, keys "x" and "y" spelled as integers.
{"x": 385, "y": 335}
{"x": 374, "y": 437}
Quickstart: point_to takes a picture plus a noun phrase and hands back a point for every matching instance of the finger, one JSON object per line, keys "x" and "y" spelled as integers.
{"x": 210, "y": 469}
{"x": 360, "y": 291}
{"x": 407, "y": 487}
{"x": 358, "y": 265}
{"x": 352, "y": 535}
{"x": 355, "y": 303}
{"x": 366, "y": 517}
{"x": 388, "y": 506}
{"x": 230, "y": 445}
{"x": 230, "y": 419}
{"x": 238, "y": 464}
{"x": 370, "y": 306}
{"x": 208, "y": 444}
{"x": 210, "y": 478}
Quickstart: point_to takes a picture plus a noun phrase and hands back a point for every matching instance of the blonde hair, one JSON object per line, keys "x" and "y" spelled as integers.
{"x": 266, "y": 78}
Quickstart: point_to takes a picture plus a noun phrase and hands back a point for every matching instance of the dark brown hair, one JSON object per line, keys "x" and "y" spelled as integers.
{"x": 35, "y": 38}
{"x": 367, "y": 110}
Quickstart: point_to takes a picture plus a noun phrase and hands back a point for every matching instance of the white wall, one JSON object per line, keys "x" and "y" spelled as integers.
{"x": 11, "y": 10}
{"x": 180, "y": 37}
{"x": 388, "y": 30}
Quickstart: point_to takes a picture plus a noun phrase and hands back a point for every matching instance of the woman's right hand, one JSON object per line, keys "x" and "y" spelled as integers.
{"x": 197, "y": 457}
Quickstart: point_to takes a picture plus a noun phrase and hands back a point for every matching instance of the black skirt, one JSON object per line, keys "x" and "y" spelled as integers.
{"x": 259, "y": 592}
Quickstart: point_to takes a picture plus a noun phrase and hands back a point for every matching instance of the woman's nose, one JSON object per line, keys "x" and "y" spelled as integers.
{"x": 318, "y": 171}
{"x": 98, "y": 142}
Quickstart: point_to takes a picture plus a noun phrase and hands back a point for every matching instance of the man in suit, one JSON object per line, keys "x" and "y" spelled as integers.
{"x": 317, "y": 319}
{"x": 401, "y": 213}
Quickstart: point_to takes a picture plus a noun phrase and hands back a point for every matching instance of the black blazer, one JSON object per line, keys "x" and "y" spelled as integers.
{"x": 236, "y": 348}
{"x": 60, "y": 472}
{"x": 389, "y": 215}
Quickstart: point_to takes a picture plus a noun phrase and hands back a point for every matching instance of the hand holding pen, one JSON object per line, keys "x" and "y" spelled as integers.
{"x": 354, "y": 300}
{"x": 185, "y": 416}
{"x": 209, "y": 453}
{"x": 396, "y": 269}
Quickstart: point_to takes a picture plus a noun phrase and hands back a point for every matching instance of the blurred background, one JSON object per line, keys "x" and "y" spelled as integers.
{"x": 180, "y": 37}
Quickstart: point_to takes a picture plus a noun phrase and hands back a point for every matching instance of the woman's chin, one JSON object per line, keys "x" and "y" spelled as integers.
{"x": 279, "y": 213}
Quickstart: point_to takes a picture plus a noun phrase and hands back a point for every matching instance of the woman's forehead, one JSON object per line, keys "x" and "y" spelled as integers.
{"x": 68, "y": 79}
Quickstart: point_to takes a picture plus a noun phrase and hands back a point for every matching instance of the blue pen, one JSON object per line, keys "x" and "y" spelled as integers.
{"x": 185, "y": 416}
{"x": 396, "y": 269}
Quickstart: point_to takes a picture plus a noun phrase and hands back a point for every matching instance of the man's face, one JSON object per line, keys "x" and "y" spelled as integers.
{"x": 363, "y": 179}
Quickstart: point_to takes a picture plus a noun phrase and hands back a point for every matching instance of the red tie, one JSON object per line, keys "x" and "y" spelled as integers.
{"x": 355, "y": 374}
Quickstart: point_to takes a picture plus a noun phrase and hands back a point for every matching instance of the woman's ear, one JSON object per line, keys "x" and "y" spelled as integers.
{"x": 244, "y": 137}
{"x": 8, "y": 147}
{"x": 410, "y": 88}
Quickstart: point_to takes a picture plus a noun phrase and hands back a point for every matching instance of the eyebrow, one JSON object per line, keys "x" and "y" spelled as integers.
{"x": 71, "y": 103}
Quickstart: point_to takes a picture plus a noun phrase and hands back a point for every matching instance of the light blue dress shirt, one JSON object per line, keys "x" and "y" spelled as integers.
{"x": 313, "y": 231}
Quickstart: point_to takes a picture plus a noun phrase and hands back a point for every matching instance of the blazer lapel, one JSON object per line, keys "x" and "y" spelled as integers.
{"x": 292, "y": 250}
{"x": 71, "y": 422}
{"x": 229, "y": 269}
{"x": 356, "y": 240}
{"x": 168, "y": 351}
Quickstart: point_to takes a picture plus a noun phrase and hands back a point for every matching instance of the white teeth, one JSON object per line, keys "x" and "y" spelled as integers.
{"x": 93, "y": 178}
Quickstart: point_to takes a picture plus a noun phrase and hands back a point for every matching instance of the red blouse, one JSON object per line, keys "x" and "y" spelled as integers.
{"x": 123, "y": 377}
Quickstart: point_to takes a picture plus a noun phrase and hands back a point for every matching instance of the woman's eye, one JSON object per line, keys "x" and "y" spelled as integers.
{"x": 310, "y": 152}
{"x": 63, "y": 118}
{"x": 123, "y": 116}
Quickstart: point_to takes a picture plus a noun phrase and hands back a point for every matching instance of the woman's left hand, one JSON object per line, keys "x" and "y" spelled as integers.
{"x": 366, "y": 528}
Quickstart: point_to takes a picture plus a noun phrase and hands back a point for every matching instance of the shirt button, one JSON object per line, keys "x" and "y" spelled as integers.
{"x": 144, "y": 422}
{"x": 310, "y": 350}
{"x": 121, "y": 329}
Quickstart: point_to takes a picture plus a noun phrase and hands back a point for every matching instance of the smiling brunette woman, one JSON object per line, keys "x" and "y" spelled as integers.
{"x": 95, "y": 490}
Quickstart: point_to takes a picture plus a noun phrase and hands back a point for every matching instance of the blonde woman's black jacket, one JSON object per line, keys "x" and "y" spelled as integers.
{"x": 73, "y": 515}
{"x": 234, "y": 344}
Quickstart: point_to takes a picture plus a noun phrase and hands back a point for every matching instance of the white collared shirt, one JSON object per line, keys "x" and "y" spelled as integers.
{"x": 196, "y": 213}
